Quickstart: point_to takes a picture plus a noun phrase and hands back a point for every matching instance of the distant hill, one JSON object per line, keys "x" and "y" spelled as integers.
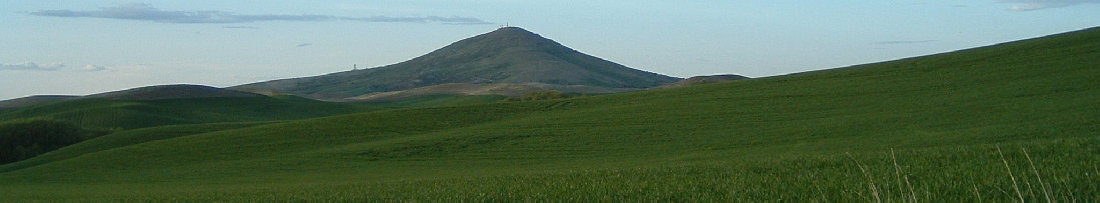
{"x": 509, "y": 55}
{"x": 171, "y": 105}
{"x": 32, "y": 100}
{"x": 158, "y": 92}
{"x": 467, "y": 89}
{"x": 179, "y": 91}
{"x": 698, "y": 80}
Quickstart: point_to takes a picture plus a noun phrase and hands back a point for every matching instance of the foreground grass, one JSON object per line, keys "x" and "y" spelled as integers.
{"x": 1009, "y": 122}
{"x": 950, "y": 173}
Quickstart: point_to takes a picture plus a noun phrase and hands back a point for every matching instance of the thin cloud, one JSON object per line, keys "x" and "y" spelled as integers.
{"x": 30, "y": 66}
{"x": 1031, "y": 5}
{"x": 903, "y": 42}
{"x": 91, "y": 68}
{"x": 303, "y": 45}
{"x": 146, "y": 12}
{"x": 241, "y": 27}
{"x": 429, "y": 19}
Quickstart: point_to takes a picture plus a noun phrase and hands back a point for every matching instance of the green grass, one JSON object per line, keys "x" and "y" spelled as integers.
{"x": 22, "y": 139}
{"x": 123, "y": 139}
{"x": 131, "y": 114}
{"x": 946, "y": 127}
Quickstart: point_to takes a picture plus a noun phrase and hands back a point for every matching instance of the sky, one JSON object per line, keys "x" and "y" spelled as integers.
{"x": 50, "y": 47}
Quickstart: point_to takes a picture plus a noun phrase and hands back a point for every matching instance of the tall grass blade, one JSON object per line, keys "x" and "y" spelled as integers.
{"x": 897, "y": 174}
{"x": 1014, "y": 186}
{"x": 1042, "y": 186}
{"x": 874, "y": 189}
{"x": 977, "y": 195}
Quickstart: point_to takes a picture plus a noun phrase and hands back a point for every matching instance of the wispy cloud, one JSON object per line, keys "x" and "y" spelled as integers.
{"x": 241, "y": 27}
{"x": 903, "y": 42}
{"x": 91, "y": 68}
{"x": 429, "y": 19}
{"x": 146, "y": 12}
{"x": 1031, "y": 5}
{"x": 303, "y": 44}
{"x": 30, "y": 66}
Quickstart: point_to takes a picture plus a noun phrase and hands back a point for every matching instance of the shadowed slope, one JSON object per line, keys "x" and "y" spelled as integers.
{"x": 158, "y": 92}
{"x": 123, "y": 139}
{"x": 181, "y": 91}
{"x": 32, "y": 100}
{"x": 102, "y": 113}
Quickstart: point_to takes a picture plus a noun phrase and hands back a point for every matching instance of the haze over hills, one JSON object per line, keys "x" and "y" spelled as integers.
{"x": 508, "y": 55}
{"x": 698, "y": 80}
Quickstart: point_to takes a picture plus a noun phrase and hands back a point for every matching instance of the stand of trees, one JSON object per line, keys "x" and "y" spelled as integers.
{"x": 25, "y": 138}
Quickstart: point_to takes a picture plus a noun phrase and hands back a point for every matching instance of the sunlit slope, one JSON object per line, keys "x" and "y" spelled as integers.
{"x": 945, "y": 114}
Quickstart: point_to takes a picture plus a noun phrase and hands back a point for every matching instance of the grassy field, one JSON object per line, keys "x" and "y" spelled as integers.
{"x": 132, "y": 114}
{"x": 1006, "y": 122}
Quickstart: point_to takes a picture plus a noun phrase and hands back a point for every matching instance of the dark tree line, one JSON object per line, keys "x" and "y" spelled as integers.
{"x": 26, "y": 138}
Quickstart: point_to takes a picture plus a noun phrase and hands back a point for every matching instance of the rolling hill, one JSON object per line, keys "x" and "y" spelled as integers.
{"x": 156, "y": 92}
{"x": 466, "y": 89}
{"x": 178, "y": 104}
{"x": 509, "y": 55}
{"x": 32, "y": 100}
{"x": 1009, "y": 122}
{"x": 179, "y": 91}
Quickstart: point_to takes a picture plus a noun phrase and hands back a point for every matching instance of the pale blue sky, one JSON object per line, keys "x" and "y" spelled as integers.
{"x": 84, "y": 47}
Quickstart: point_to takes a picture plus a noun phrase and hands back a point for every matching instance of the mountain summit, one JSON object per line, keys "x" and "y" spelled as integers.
{"x": 508, "y": 55}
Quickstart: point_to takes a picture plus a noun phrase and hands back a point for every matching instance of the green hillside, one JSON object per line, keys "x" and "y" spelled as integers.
{"x": 101, "y": 113}
{"x": 32, "y": 100}
{"x": 123, "y": 139}
{"x": 508, "y": 55}
{"x": 21, "y": 139}
{"x": 1006, "y": 122}
{"x": 439, "y": 101}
